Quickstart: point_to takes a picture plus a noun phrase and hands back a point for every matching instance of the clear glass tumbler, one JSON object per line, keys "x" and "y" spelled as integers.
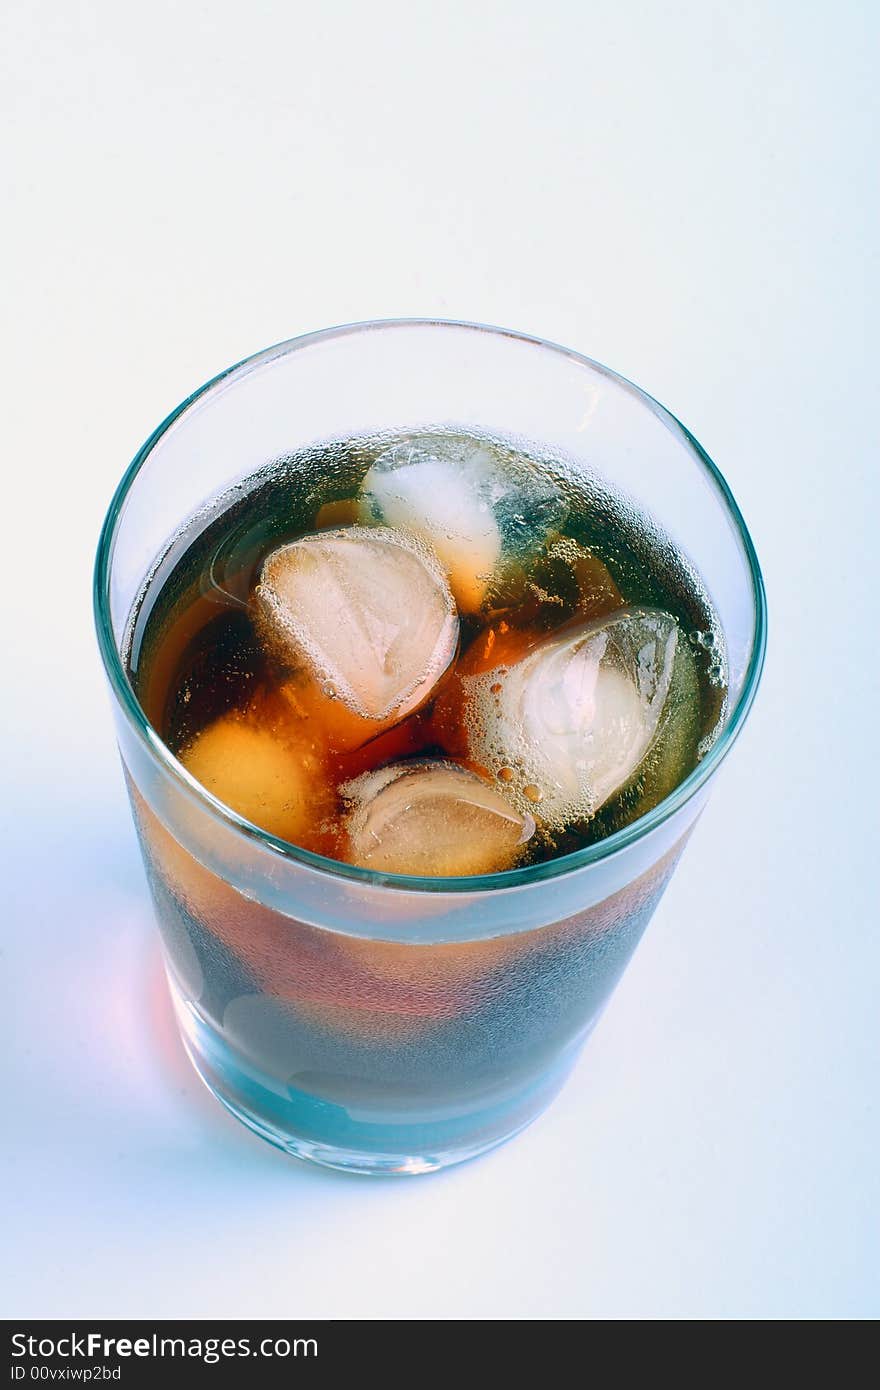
{"x": 377, "y": 1022}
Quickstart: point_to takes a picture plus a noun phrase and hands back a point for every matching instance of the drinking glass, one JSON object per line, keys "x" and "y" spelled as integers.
{"x": 376, "y": 1022}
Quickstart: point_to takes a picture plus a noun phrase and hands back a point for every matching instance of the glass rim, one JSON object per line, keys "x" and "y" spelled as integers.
{"x": 601, "y": 850}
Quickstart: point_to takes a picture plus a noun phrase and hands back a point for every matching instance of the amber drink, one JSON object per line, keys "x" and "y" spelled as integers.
{"x": 429, "y": 712}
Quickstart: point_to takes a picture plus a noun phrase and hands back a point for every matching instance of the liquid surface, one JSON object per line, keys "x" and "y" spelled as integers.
{"x": 431, "y": 654}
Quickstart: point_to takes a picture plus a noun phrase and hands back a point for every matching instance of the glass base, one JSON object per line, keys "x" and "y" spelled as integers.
{"x": 378, "y": 1143}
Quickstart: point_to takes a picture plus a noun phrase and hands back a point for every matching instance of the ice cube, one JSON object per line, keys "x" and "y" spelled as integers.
{"x": 565, "y": 580}
{"x": 432, "y": 818}
{"x": 567, "y": 724}
{"x": 264, "y": 773}
{"x": 368, "y": 619}
{"x": 473, "y": 503}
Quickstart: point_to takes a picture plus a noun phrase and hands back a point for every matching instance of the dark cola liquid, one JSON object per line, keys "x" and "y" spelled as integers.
{"x": 388, "y": 1053}
{"x": 195, "y": 653}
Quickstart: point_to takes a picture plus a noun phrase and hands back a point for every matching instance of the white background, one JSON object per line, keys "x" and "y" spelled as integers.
{"x": 683, "y": 191}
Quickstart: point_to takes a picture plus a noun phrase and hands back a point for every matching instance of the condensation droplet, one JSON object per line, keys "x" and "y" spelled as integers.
{"x": 533, "y": 793}
{"x": 505, "y": 774}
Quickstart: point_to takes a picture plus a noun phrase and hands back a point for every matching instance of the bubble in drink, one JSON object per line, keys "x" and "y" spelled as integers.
{"x": 366, "y": 616}
{"x": 472, "y": 506}
{"x": 575, "y": 716}
{"x": 432, "y": 818}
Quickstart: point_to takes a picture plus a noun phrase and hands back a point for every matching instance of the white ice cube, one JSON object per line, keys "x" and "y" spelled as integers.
{"x": 366, "y": 612}
{"x": 469, "y": 502}
{"x": 432, "y": 818}
{"x": 568, "y": 725}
